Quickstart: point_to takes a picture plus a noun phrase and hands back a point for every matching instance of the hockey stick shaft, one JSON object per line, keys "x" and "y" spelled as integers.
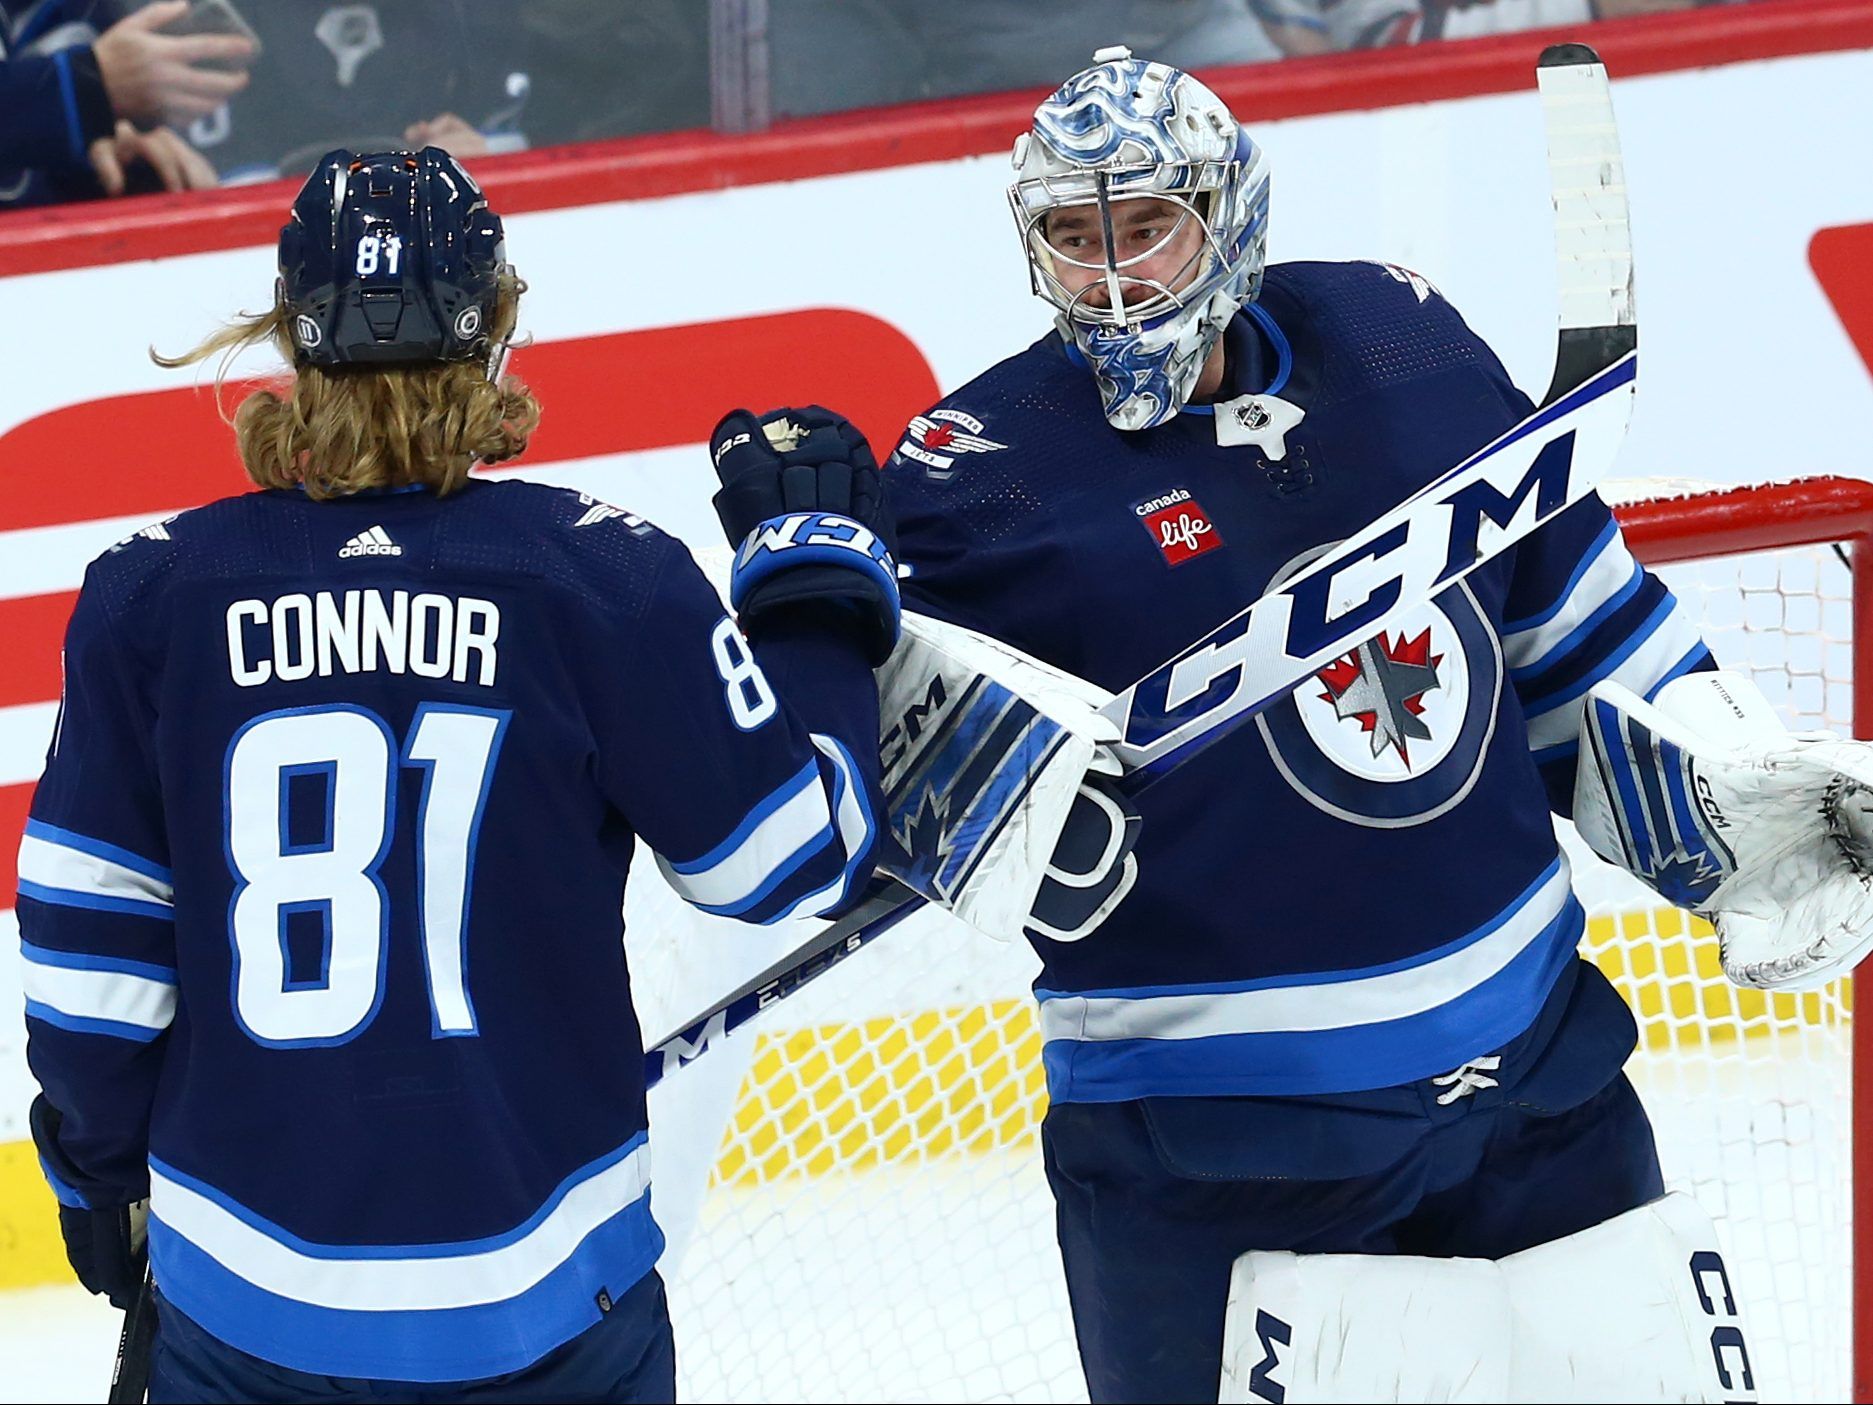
{"x": 1464, "y": 517}
{"x": 130, "y": 1375}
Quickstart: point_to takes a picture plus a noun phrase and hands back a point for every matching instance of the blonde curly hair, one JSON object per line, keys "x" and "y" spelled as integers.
{"x": 346, "y": 429}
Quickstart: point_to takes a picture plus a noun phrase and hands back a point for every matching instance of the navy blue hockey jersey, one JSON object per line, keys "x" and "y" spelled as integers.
{"x": 321, "y": 900}
{"x": 1363, "y": 888}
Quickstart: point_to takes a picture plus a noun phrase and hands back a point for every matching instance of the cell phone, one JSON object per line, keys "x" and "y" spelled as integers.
{"x": 217, "y": 17}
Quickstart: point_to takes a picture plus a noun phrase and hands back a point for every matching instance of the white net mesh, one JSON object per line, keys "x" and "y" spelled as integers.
{"x": 876, "y": 1225}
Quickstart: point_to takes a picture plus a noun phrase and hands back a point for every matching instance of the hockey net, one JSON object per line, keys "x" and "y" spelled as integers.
{"x": 874, "y": 1223}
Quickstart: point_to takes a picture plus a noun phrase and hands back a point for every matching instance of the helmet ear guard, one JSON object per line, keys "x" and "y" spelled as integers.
{"x": 391, "y": 258}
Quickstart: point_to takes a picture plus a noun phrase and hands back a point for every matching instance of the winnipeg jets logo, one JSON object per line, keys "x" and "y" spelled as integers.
{"x": 1381, "y": 685}
{"x": 940, "y": 437}
{"x": 1395, "y": 732}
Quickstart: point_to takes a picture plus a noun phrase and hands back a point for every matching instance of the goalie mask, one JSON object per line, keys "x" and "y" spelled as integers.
{"x": 391, "y": 258}
{"x": 1143, "y": 290}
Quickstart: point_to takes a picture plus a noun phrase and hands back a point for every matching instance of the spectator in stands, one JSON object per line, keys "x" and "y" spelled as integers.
{"x": 370, "y": 77}
{"x": 85, "y": 96}
{"x": 898, "y": 50}
{"x": 1320, "y": 26}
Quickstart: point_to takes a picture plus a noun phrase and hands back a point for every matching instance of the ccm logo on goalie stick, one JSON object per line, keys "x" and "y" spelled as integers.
{"x": 1349, "y": 597}
{"x": 1726, "y": 1338}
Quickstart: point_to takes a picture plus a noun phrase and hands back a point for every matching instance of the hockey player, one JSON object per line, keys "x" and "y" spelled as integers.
{"x": 320, "y": 895}
{"x": 1341, "y": 1011}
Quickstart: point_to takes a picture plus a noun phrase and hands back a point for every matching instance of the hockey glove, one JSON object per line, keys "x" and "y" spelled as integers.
{"x": 1708, "y": 799}
{"x": 104, "y": 1245}
{"x": 801, "y": 501}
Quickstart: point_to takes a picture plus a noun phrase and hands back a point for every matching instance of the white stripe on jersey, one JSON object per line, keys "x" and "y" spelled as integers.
{"x": 1609, "y": 572}
{"x": 68, "y": 870}
{"x": 732, "y": 875}
{"x": 854, "y": 831}
{"x": 1325, "y": 1003}
{"x": 98, "y": 994}
{"x": 388, "y": 1278}
{"x": 1652, "y": 656}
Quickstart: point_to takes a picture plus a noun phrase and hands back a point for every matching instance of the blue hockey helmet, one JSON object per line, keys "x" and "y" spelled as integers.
{"x": 1125, "y": 131}
{"x": 388, "y": 258}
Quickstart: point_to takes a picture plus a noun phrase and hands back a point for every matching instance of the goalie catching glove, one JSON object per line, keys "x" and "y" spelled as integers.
{"x": 1709, "y": 800}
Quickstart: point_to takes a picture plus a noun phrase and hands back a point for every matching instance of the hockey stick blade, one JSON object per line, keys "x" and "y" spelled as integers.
{"x": 1427, "y": 542}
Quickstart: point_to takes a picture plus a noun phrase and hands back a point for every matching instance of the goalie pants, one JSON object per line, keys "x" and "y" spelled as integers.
{"x": 628, "y": 1356}
{"x": 1156, "y": 1198}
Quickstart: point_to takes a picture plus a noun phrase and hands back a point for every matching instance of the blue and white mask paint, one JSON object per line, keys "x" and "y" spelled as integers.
{"x": 1120, "y": 133}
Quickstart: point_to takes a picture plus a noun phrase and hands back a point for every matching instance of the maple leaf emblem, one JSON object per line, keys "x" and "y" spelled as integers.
{"x": 938, "y": 436}
{"x": 1381, "y": 686}
{"x": 924, "y": 835}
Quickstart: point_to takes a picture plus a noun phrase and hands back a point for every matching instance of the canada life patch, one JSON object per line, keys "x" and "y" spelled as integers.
{"x": 1179, "y": 526}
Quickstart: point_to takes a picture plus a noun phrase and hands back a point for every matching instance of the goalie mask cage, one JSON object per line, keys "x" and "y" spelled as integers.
{"x": 876, "y": 1224}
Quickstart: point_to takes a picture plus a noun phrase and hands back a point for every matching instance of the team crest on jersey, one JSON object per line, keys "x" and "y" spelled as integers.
{"x": 1394, "y": 732}
{"x": 1178, "y": 525}
{"x": 937, "y": 439}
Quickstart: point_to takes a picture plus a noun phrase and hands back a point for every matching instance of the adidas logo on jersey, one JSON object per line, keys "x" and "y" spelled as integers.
{"x": 375, "y": 542}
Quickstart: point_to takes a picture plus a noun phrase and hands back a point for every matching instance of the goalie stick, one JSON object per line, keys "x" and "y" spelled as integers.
{"x": 1464, "y": 517}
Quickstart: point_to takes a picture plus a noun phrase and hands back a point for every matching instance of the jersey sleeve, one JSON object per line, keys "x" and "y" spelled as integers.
{"x": 1581, "y": 610}
{"x": 96, "y": 914}
{"x": 760, "y": 805}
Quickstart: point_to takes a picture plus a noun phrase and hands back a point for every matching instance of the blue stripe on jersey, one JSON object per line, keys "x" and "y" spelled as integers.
{"x": 856, "y": 826}
{"x": 1700, "y": 654}
{"x": 1576, "y": 636}
{"x": 62, "y": 1191}
{"x": 98, "y": 849}
{"x": 1559, "y": 603}
{"x": 96, "y": 902}
{"x": 1585, "y": 670}
{"x": 1313, "y": 978}
{"x": 68, "y": 95}
{"x": 779, "y": 796}
{"x": 486, "y": 1339}
{"x": 781, "y": 872}
{"x": 1110, "y": 1046}
{"x": 82, "y": 1024}
{"x": 84, "y": 961}
{"x": 415, "y": 1312}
